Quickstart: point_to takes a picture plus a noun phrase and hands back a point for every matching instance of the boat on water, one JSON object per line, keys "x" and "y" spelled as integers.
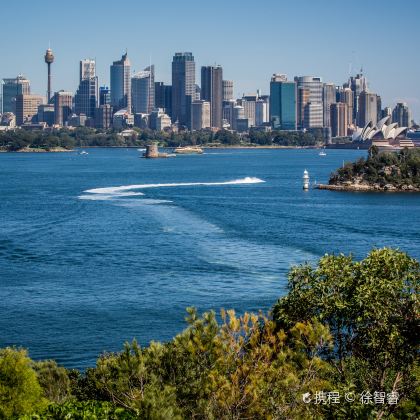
{"x": 188, "y": 150}
{"x": 322, "y": 153}
{"x": 83, "y": 153}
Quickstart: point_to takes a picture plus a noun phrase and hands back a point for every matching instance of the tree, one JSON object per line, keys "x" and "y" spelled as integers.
{"x": 20, "y": 392}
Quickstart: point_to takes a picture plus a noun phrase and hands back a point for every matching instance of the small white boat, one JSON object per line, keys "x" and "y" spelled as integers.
{"x": 322, "y": 153}
{"x": 141, "y": 150}
{"x": 83, "y": 153}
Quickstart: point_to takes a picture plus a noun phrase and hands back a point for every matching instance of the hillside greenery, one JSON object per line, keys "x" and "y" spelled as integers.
{"x": 87, "y": 137}
{"x": 395, "y": 168}
{"x": 344, "y": 326}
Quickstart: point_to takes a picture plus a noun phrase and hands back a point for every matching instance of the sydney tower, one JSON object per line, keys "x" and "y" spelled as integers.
{"x": 49, "y": 58}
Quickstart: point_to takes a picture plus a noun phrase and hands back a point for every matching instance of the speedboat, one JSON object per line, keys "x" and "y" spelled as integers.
{"x": 83, "y": 153}
{"x": 322, "y": 153}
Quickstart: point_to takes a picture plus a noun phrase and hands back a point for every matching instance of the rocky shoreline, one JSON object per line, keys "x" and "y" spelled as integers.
{"x": 368, "y": 187}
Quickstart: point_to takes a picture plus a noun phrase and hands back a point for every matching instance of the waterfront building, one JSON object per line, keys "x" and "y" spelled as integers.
{"x": 121, "y": 84}
{"x": 357, "y": 84}
{"x": 228, "y": 112}
{"x": 249, "y": 104}
{"x": 212, "y": 91}
{"x": 122, "y": 119}
{"x": 183, "y": 87}
{"x": 8, "y": 119}
{"x": 401, "y": 115}
{"x": 159, "y": 120}
{"x": 163, "y": 97}
{"x": 227, "y": 90}
{"x": 86, "y": 97}
{"x": 141, "y": 120}
{"x": 367, "y": 108}
{"x": 238, "y": 113}
{"x": 27, "y": 108}
{"x": 46, "y": 114}
{"x": 104, "y": 95}
{"x": 63, "y": 107}
{"x": 262, "y": 111}
{"x": 283, "y": 103}
{"x": 143, "y": 90}
{"x": 11, "y": 88}
{"x": 242, "y": 125}
{"x": 201, "y": 115}
{"x": 339, "y": 119}
{"x": 103, "y": 116}
{"x": 310, "y": 100}
{"x": 328, "y": 98}
{"x": 77, "y": 120}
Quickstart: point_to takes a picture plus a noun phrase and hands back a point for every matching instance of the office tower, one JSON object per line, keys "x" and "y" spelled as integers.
{"x": 237, "y": 114}
{"x": 283, "y": 103}
{"x": 121, "y": 84}
{"x": 27, "y": 108}
{"x": 339, "y": 121}
{"x": 386, "y": 112}
{"x": 401, "y": 115}
{"x": 357, "y": 84}
{"x": 378, "y": 107}
{"x": 11, "y": 88}
{"x": 228, "y": 112}
{"x": 345, "y": 96}
{"x": 158, "y": 120}
{"x": 302, "y": 101}
{"x": 183, "y": 87}
{"x": 87, "y": 69}
{"x": 46, "y": 113}
{"x": 163, "y": 97}
{"x": 262, "y": 110}
{"x": 212, "y": 91}
{"x": 197, "y": 93}
{"x": 63, "y": 103}
{"x": 49, "y": 59}
{"x": 86, "y": 97}
{"x": 227, "y": 90}
{"x": 313, "y": 101}
{"x": 103, "y": 116}
{"x": 104, "y": 95}
{"x": 143, "y": 91}
{"x": 201, "y": 115}
{"x": 328, "y": 98}
{"x": 367, "y": 109}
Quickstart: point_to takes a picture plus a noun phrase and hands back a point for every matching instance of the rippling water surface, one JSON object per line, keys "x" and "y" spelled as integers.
{"x": 85, "y": 265}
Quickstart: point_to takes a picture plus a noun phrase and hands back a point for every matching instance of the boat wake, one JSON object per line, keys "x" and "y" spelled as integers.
{"x": 109, "y": 193}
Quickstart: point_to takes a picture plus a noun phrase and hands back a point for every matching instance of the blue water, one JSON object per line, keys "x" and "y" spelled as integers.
{"x": 82, "y": 272}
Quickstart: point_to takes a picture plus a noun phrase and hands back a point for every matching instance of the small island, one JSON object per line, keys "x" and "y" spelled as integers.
{"x": 381, "y": 171}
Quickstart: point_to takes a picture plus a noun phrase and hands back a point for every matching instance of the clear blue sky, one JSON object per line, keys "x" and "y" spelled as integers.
{"x": 250, "y": 39}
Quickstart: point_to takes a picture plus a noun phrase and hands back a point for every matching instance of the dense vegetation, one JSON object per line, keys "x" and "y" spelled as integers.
{"x": 345, "y": 326}
{"x": 399, "y": 170}
{"x": 83, "y": 137}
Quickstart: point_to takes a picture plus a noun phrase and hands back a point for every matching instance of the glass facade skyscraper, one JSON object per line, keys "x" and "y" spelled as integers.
{"x": 282, "y": 103}
{"x": 121, "y": 84}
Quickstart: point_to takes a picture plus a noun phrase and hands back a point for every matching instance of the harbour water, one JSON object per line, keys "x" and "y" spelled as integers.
{"x": 85, "y": 266}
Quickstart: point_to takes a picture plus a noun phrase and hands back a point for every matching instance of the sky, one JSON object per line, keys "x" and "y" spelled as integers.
{"x": 250, "y": 39}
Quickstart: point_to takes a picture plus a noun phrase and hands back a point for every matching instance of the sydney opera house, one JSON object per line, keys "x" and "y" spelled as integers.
{"x": 384, "y": 134}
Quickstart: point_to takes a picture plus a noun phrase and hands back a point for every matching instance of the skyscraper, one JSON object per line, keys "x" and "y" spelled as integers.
{"x": 121, "y": 84}
{"x": 163, "y": 97}
{"x": 345, "y": 96}
{"x": 201, "y": 115}
{"x": 86, "y": 98}
{"x": 282, "y": 103}
{"x": 143, "y": 91}
{"x": 183, "y": 87}
{"x": 227, "y": 90}
{"x": 27, "y": 108}
{"x": 104, "y": 95}
{"x": 329, "y": 97}
{"x": 63, "y": 102}
{"x": 367, "y": 108}
{"x": 212, "y": 91}
{"x": 339, "y": 122}
{"x": 313, "y": 112}
{"x": 19, "y": 85}
{"x": 401, "y": 115}
{"x": 357, "y": 84}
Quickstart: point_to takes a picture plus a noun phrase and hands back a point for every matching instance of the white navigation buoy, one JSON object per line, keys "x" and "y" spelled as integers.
{"x": 305, "y": 180}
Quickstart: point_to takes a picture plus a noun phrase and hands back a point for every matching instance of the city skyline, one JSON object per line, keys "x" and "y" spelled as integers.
{"x": 249, "y": 58}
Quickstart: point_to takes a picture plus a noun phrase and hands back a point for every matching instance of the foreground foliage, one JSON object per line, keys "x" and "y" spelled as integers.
{"x": 344, "y": 326}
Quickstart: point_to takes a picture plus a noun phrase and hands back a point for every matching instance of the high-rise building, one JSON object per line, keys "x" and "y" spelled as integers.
{"x": 303, "y": 94}
{"x": 329, "y": 98}
{"x": 228, "y": 112}
{"x": 63, "y": 103}
{"x": 27, "y": 108}
{"x": 86, "y": 97}
{"x": 201, "y": 115}
{"x": 227, "y": 90}
{"x": 121, "y": 84}
{"x": 237, "y": 114}
{"x": 163, "y": 97}
{"x": 103, "y": 116}
{"x": 249, "y": 102}
{"x": 282, "y": 103}
{"x": 401, "y": 115}
{"x": 143, "y": 91}
{"x": 212, "y": 91}
{"x": 49, "y": 59}
{"x": 386, "y": 112}
{"x": 11, "y": 88}
{"x": 312, "y": 103}
{"x": 357, "y": 84}
{"x": 262, "y": 110}
{"x": 345, "y": 96}
{"x": 46, "y": 113}
{"x": 339, "y": 122}
{"x": 104, "y": 95}
{"x": 367, "y": 108}
{"x": 183, "y": 87}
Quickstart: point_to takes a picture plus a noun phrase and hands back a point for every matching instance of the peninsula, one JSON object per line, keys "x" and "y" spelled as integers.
{"x": 381, "y": 171}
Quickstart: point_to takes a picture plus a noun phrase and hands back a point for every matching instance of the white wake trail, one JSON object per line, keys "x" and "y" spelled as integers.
{"x": 118, "y": 191}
